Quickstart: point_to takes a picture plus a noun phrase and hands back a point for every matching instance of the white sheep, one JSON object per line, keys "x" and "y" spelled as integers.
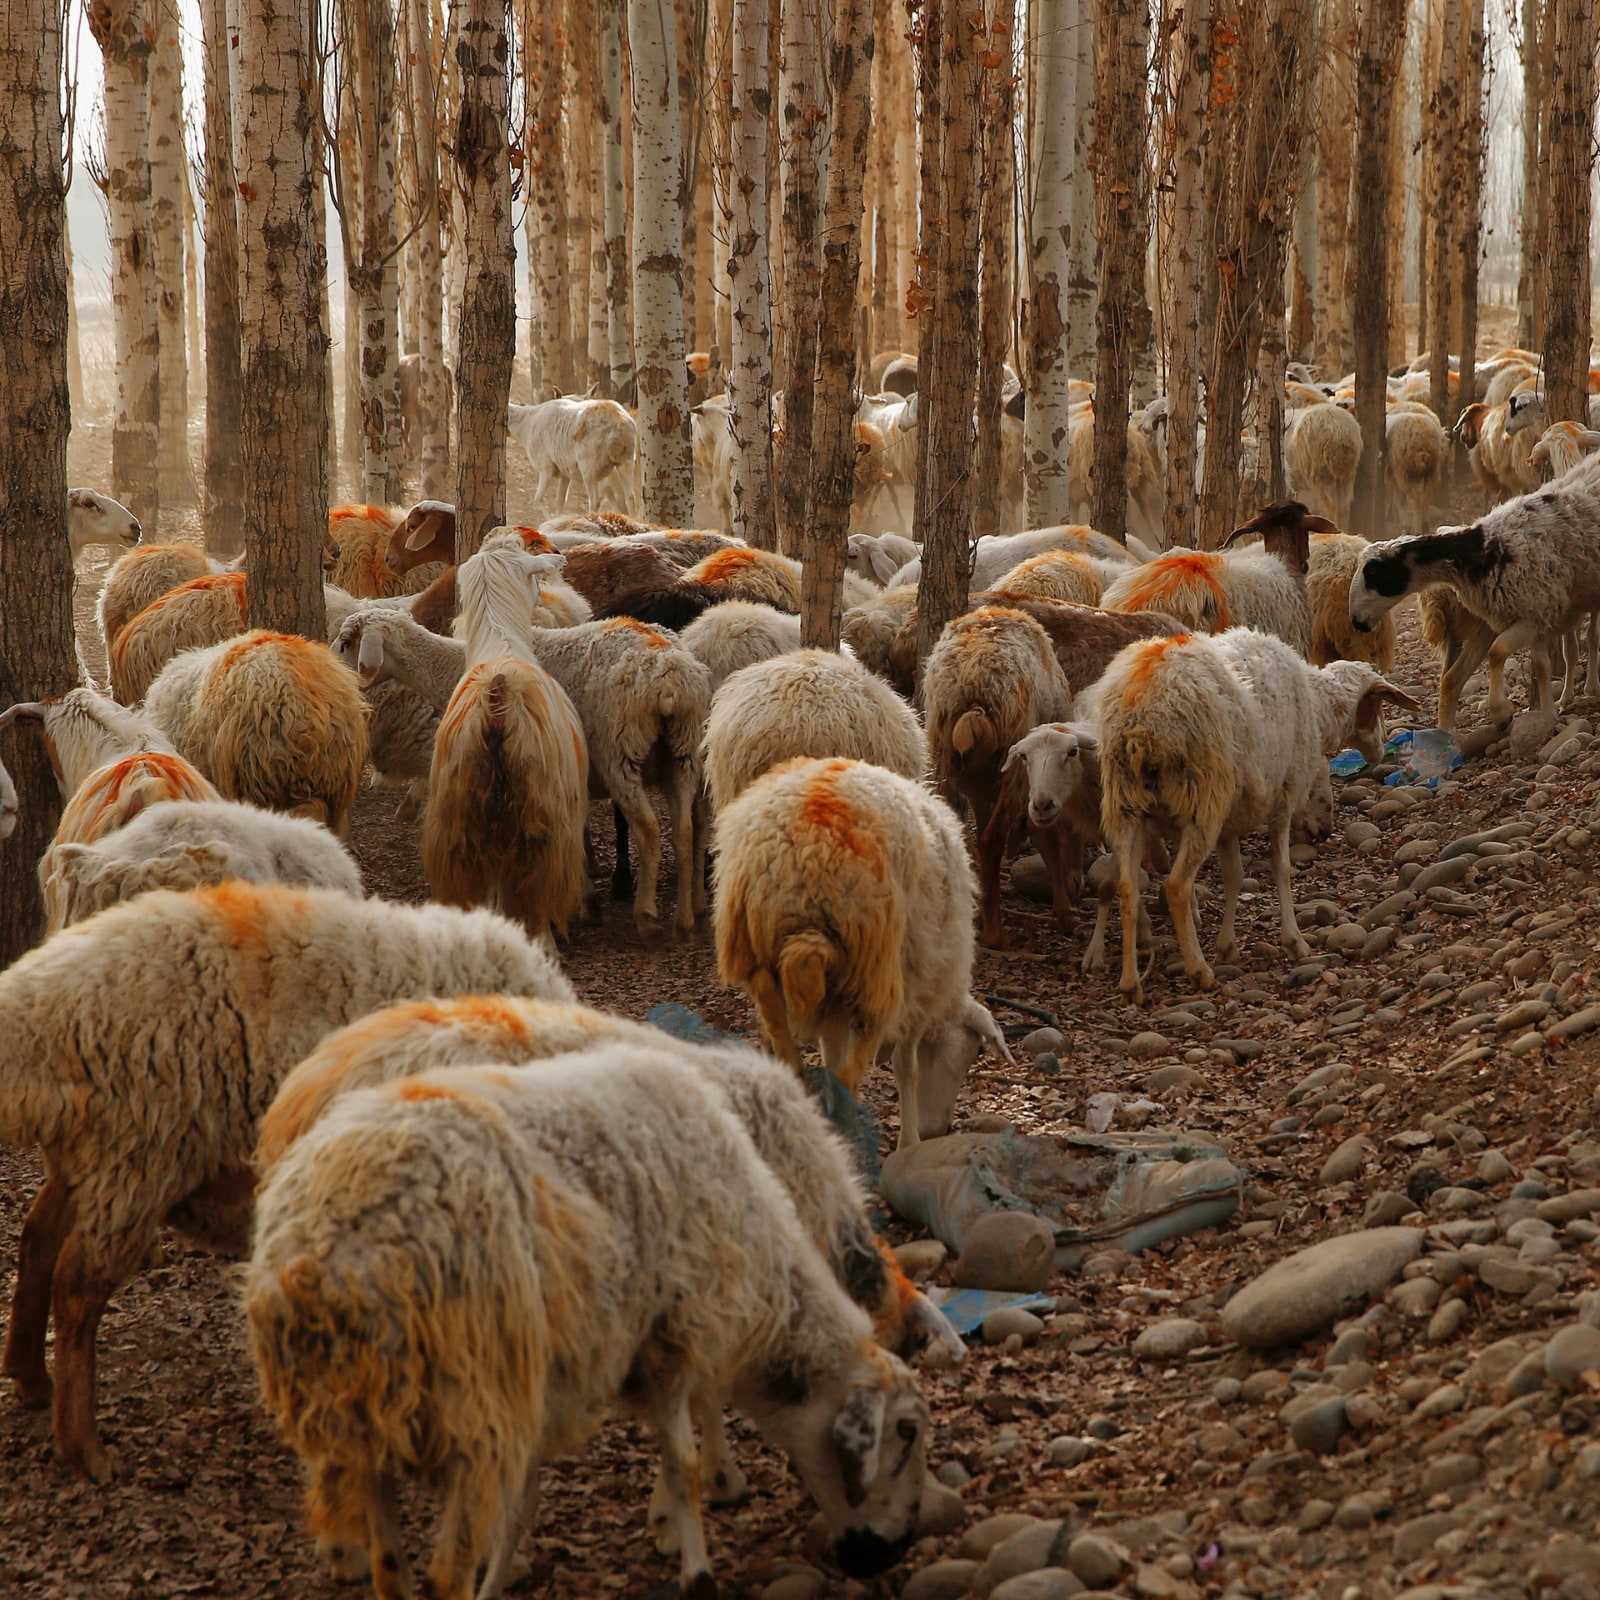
{"x": 202, "y": 612}
{"x": 1209, "y": 739}
{"x": 711, "y": 440}
{"x": 94, "y": 518}
{"x": 1499, "y": 449}
{"x": 1416, "y": 453}
{"x": 878, "y": 556}
{"x": 271, "y": 719}
{"x": 466, "y": 1229}
{"x": 994, "y": 555}
{"x": 1061, "y": 575}
{"x": 736, "y": 634}
{"x": 844, "y": 909}
{"x": 142, "y": 576}
{"x": 1322, "y": 449}
{"x": 805, "y": 703}
{"x": 1530, "y": 569}
{"x": 1563, "y": 446}
{"x": 572, "y": 441}
{"x": 85, "y": 731}
{"x": 9, "y": 805}
{"x": 184, "y": 844}
{"x": 143, "y": 1046}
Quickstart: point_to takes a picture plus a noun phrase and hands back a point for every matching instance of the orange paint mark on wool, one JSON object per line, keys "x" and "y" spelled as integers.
{"x": 410, "y": 1089}
{"x": 245, "y": 909}
{"x": 534, "y": 541}
{"x": 725, "y": 564}
{"x": 378, "y": 514}
{"x": 1159, "y": 579}
{"x": 1147, "y": 662}
{"x": 653, "y": 637}
{"x": 463, "y": 702}
{"x": 824, "y": 811}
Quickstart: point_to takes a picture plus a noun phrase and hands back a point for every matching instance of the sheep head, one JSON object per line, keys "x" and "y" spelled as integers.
{"x": 1524, "y": 411}
{"x": 1058, "y": 758}
{"x": 94, "y": 518}
{"x": 1285, "y": 528}
{"x": 427, "y": 523}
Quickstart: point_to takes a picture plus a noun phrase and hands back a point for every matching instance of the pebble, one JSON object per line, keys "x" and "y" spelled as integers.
{"x": 1319, "y": 1428}
{"x": 982, "y": 1537}
{"x": 1360, "y": 1510}
{"x": 1438, "y": 873}
{"x": 1169, "y": 1339}
{"x": 1011, "y": 1250}
{"x": 1521, "y": 1015}
{"x": 944, "y": 1580}
{"x": 1001, "y": 1325}
{"x": 1414, "y": 1538}
{"x": 1529, "y": 1189}
{"x": 1351, "y": 1345}
{"x": 1387, "y": 909}
{"x": 1416, "y": 1298}
{"x": 1494, "y": 1363}
{"x": 921, "y": 1258}
{"x": 1571, "y": 1353}
{"x": 801, "y": 1583}
{"x": 942, "y": 1510}
{"x": 1264, "y": 1385}
{"x": 1148, "y": 1044}
{"x": 1048, "y": 1583}
{"x": 1226, "y": 1390}
{"x": 1043, "y": 1039}
{"x": 1451, "y": 1472}
{"x": 1441, "y": 1402}
{"x": 1363, "y": 1411}
{"x": 1447, "y": 1321}
{"x": 1314, "y": 1514}
{"x": 1493, "y": 1167}
{"x": 1164, "y": 1079}
{"x": 1100, "y": 1426}
{"x": 1097, "y": 1560}
{"x": 1345, "y": 1162}
{"x": 953, "y": 1475}
{"x": 1564, "y": 1207}
{"x": 1026, "y": 1550}
{"x": 1311, "y": 1289}
{"x": 1584, "y": 1021}
{"x": 1385, "y": 1209}
{"x": 1348, "y": 936}
{"x": 1067, "y": 1451}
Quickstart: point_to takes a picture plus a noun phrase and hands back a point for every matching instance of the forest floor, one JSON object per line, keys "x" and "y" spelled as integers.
{"x": 1457, "y": 1476}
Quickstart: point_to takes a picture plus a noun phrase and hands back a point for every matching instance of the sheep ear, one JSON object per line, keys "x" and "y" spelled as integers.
{"x": 1316, "y": 524}
{"x": 883, "y": 564}
{"x": 1013, "y": 755}
{"x": 369, "y": 659}
{"x": 1383, "y": 692}
{"x": 981, "y": 1020}
{"x": 423, "y": 534}
{"x": 552, "y": 561}
{"x": 857, "y": 1434}
{"x": 945, "y": 1347}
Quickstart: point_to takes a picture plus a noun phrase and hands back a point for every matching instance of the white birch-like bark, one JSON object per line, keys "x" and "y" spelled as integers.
{"x": 1083, "y": 284}
{"x": 658, "y": 328}
{"x": 546, "y": 177}
{"x": 422, "y": 107}
{"x": 223, "y": 514}
{"x": 169, "y": 179}
{"x": 614, "y": 204}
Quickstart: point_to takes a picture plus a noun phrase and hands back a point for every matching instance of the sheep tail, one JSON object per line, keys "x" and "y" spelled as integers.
{"x": 803, "y": 967}
{"x": 974, "y": 734}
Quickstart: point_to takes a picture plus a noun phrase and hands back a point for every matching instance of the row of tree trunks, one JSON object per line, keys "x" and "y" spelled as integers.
{"x": 1445, "y": 117}
{"x": 1569, "y": 174}
{"x": 422, "y": 103}
{"x": 995, "y": 222}
{"x": 169, "y": 207}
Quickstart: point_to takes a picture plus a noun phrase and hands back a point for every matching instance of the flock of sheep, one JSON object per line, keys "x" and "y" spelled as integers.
{"x": 444, "y": 1169}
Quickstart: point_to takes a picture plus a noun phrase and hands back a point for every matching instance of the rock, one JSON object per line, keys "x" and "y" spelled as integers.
{"x": 1349, "y": 937}
{"x": 1561, "y": 1208}
{"x": 1447, "y": 1321}
{"x": 1001, "y": 1325}
{"x": 1507, "y": 1277}
{"x": 1169, "y": 1339}
{"x": 1319, "y": 1428}
{"x": 1102, "y": 1427}
{"x": 942, "y": 1510}
{"x": 982, "y": 1537}
{"x": 1099, "y": 1561}
{"x": 1529, "y": 731}
{"x": 1362, "y": 1509}
{"x": 1265, "y": 1385}
{"x": 1392, "y": 907}
{"x": 1067, "y": 1451}
{"x": 1416, "y": 1298}
{"x": 1314, "y": 1514}
{"x": 1451, "y": 1472}
{"x": 1030, "y": 877}
{"x": 944, "y": 1580}
{"x": 1571, "y": 1353}
{"x": 1351, "y": 1345}
{"x": 1438, "y": 873}
{"x": 1493, "y": 1167}
{"x": 1148, "y": 1043}
{"x": 1012, "y": 1250}
{"x": 1522, "y": 1015}
{"x": 1385, "y": 1209}
{"x": 1441, "y": 1402}
{"x": 1043, "y": 1039}
{"x": 1049, "y": 1583}
{"x": 1363, "y": 1411}
{"x": 1026, "y": 1550}
{"x": 921, "y": 1258}
{"x": 1584, "y": 1021}
{"x": 1226, "y": 1390}
{"x": 953, "y": 1475}
{"x": 1414, "y": 1538}
{"x": 1311, "y": 1289}
{"x": 1494, "y": 1363}
{"x": 802, "y": 1583}
{"x": 1345, "y": 1162}
{"x": 1175, "y": 1077}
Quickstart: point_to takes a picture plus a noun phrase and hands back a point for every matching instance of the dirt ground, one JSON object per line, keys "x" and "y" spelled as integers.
{"x": 1195, "y": 1475}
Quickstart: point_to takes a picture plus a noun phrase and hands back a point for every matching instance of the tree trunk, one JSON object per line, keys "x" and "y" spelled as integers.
{"x": 1083, "y": 287}
{"x": 223, "y": 514}
{"x": 947, "y": 388}
{"x": 658, "y": 328}
{"x": 1446, "y": 117}
{"x": 1383, "y": 27}
{"x": 191, "y": 294}
{"x": 1470, "y": 152}
{"x": 686, "y": 53}
{"x": 583, "y": 215}
{"x": 881, "y": 213}
{"x": 827, "y": 523}
{"x": 1189, "y": 269}
{"x": 800, "y": 118}
{"x": 1122, "y": 216}
{"x": 169, "y": 177}
{"x": 74, "y": 352}
{"x": 1530, "y": 272}
{"x": 619, "y": 315}
{"x": 1271, "y": 481}
{"x": 1570, "y": 173}
{"x": 488, "y": 328}
{"x": 749, "y": 369}
{"x": 433, "y": 411}
{"x": 922, "y": 298}
{"x": 122, "y": 30}
{"x": 36, "y": 655}
{"x": 1336, "y": 116}
{"x": 994, "y": 234}
{"x": 547, "y": 178}
{"x": 898, "y": 122}
{"x": 283, "y": 366}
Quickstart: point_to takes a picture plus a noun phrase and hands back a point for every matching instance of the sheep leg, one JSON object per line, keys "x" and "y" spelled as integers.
{"x": 1543, "y": 699}
{"x": 463, "y": 1530}
{"x": 1055, "y": 860}
{"x": 1568, "y": 654}
{"x": 1094, "y": 956}
{"x": 518, "y": 1507}
{"x": 680, "y": 1480}
{"x": 391, "y": 1572}
{"x": 700, "y": 810}
{"x": 1230, "y": 863}
{"x": 906, "y": 1070}
{"x": 622, "y": 868}
{"x": 1591, "y": 677}
{"x": 337, "y": 1511}
{"x": 1192, "y": 851}
{"x": 991, "y": 856}
{"x": 1127, "y": 845}
{"x": 1283, "y": 880}
{"x": 43, "y": 1233}
{"x": 1462, "y": 658}
{"x": 1521, "y": 636}
{"x": 630, "y": 799}
{"x": 767, "y": 996}
{"x": 719, "y": 1472}
{"x": 681, "y": 790}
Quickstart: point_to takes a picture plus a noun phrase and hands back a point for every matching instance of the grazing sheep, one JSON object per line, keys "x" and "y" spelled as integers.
{"x": 571, "y": 441}
{"x": 844, "y": 910}
{"x": 409, "y": 373}
{"x": 595, "y": 524}
{"x": 363, "y": 535}
{"x": 604, "y": 572}
{"x": 465, "y": 1230}
{"x": 872, "y": 628}
{"x": 991, "y": 677}
{"x": 1334, "y": 559}
{"x": 142, "y": 576}
{"x": 184, "y": 844}
{"x": 1322, "y": 449}
{"x": 84, "y": 731}
{"x": 1563, "y": 446}
{"x": 144, "y": 1044}
{"x": 994, "y": 555}
{"x": 1415, "y": 458}
{"x": 1085, "y": 638}
{"x": 805, "y": 703}
{"x": 878, "y": 556}
{"x": 1210, "y": 739}
{"x": 390, "y": 647}
{"x": 201, "y": 612}
{"x": 1500, "y": 452}
{"x": 94, "y": 518}
{"x": 736, "y": 634}
{"x": 271, "y": 719}
{"x": 1145, "y": 499}
{"x": 758, "y": 575}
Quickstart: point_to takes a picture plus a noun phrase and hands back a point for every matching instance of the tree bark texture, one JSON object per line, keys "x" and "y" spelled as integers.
{"x": 1530, "y": 272}
{"x": 995, "y": 222}
{"x": 1083, "y": 287}
{"x": 947, "y": 386}
{"x": 922, "y": 298}
{"x": 1446, "y": 120}
{"x": 223, "y": 513}
{"x": 1570, "y": 171}
{"x": 658, "y": 328}
{"x": 827, "y": 523}
{"x": 1122, "y": 217}
{"x": 122, "y": 30}
{"x": 546, "y": 178}
{"x": 1335, "y": 141}
{"x": 36, "y": 654}
{"x": 422, "y": 113}
{"x": 1470, "y": 150}
{"x": 283, "y": 366}
{"x": 169, "y": 186}
{"x": 614, "y": 205}
{"x": 800, "y": 120}
{"x": 488, "y": 327}
{"x": 749, "y": 278}
{"x": 1383, "y": 27}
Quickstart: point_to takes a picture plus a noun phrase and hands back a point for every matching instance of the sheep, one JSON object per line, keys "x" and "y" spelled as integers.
{"x": 184, "y": 844}
{"x": 84, "y": 731}
{"x": 844, "y": 910}
{"x": 1334, "y": 559}
{"x": 1415, "y": 457}
{"x": 574, "y": 441}
{"x": 1210, "y": 739}
{"x": 271, "y": 719}
{"x": 604, "y": 572}
{"x": 1530, "y": 569}
{"x": 872, "y": 628}
{"x": 363, "y": 535}
{"x": 1561, "y": 447}
{"x": 897, "y": 364}
{"x": 1500, "y": 451}
{"x": 201, "y": 612}
{"x": 10, "y": 806}
{"x": 1060, "y": 575}
{"x": 887, "y": 422}
{"x": 409, "y": 375}
{"x": 94, "y": 518}
{"x": 711, "y": 440}
{"x": 426, "y": 537}
{"x": 990, "y": 678}
{"x": 463, "y": 1229}
{"x": 594, "y": 524}
{"x": 736, "y": 634}
{"x": 994, "y": 555}
{"x": 143, "y": 1045}
{"x": 1322, "y": 449}
{"x": 1145, "y": 499}
{"x": 805, "y": 703}
{"x": 384, "y": 646}
{"x": 877, "y": 557}
{"x": 142, "y": 576}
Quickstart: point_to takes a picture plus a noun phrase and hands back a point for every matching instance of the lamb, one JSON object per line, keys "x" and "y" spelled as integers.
{"x": 736, "y": 634}
{"x": 1414, "y": 460}
{"x": 574, "y": 441}
{"x": 532, "y": 1202}
{"x": 141, "y": 577}
{"x": 844, "y": 910}
{"x": 94, "y": 518}
{"x": 142, "y": 1089}
{"x": 1530, "y": 568}
{"x": 271, "y": 719}
{"x": 1334, "y": 559}
{"x": 1561, "y": 447}
{"x": 184, "y": 844}
{"x": 990, "y": 678}
{"x": 877, "y": 557}
{"x": 1210, "y": 739}
{"x": 508, "y": 789}
{"x": 805, "y": 703}
{"x": 1322, "y": 449}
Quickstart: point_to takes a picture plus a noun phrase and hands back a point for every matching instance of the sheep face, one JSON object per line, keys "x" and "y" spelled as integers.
{"x": 1399, "y": 567}
{"x": 98, "y": 519}
{"x": 1053, "y": 754}
{"x": 860, "y": 1441}
{"x": 1524, "y": 411}
{"x": 426, "y": 522}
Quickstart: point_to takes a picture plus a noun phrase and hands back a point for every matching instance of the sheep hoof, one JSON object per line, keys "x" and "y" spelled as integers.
{"x": 348, "y": 1563}
{"x": 1202, "y": 977}
{"x": 730, "y": 1488}
{"x": 1133, "y": 993}
{"x": 1227, "y": 950}
{"x": 702, "y": 1586}
{"x": 666, "y": 1539}
{"x": 1093, "y": 963}
{"x": 1298, "y": 948}
{"x": 648, "y": 927}
{"x": 92, "y": 1460}
{"x": 33, "y": 1390}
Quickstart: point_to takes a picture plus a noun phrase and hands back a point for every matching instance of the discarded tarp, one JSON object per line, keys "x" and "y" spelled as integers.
{"x": 1127, "y": 1190}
